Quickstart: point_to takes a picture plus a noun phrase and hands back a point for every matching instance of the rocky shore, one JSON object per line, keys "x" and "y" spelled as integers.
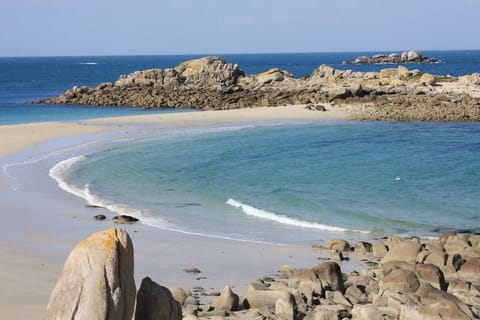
{"x": 407, "y": 57}
{"x": 402, "y": 279}
{"x": 211, "y": 83}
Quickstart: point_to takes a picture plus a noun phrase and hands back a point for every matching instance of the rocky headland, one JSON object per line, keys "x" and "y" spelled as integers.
{"x": 211, "y": 83}
{"x": 400, "y": 279}
{"x": 407, "y": 57}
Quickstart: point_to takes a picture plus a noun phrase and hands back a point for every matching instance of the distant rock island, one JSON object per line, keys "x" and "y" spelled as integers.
{"x": 211, "y": 83}
{"x": 393, "y": 58}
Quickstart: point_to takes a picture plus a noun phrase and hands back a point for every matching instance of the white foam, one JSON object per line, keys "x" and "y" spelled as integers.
{"x": 266, "y": 215}
{"x": 88, "y": 63}
{"x": 58, "y": 171}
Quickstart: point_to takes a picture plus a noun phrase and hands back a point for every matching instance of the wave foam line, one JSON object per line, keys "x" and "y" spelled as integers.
{"x": 58, "y": 171}
{"x": 266, "y": 215}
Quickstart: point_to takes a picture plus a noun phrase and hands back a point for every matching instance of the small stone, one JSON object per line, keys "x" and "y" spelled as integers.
{"x": 268, "y": 279}
{"x": 100, "y": 217}
{"x": 192, "y": 270}
{"x": 92, "y": 206}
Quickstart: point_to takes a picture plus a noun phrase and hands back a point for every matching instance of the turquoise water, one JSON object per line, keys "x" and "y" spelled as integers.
{"x": 289, "y": 183}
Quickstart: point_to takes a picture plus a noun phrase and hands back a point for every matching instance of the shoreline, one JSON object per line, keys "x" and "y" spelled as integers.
{"x": 31, "y": 134}
{"x": 35, "y": 245}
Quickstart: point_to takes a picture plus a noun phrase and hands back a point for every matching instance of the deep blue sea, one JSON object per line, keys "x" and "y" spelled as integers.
{"x": 281, "y": 182}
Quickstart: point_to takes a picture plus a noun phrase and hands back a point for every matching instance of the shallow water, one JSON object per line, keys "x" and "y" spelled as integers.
{"x": 291, "y": 182}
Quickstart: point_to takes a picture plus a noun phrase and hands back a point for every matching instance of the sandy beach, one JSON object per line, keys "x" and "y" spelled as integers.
{"x": 42, "y": 223}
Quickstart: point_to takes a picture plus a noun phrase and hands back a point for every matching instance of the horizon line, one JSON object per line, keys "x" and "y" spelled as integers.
{"x": 230, "y": 53}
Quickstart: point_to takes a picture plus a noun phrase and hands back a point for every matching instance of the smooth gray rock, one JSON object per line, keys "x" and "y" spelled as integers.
{"x": 155, "y": 302}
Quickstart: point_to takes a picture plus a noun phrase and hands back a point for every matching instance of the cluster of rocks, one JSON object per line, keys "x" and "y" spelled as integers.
{"x": 211, "y": 83}
{"x": 393, "y": 58}
{"x": 404, "y": 279}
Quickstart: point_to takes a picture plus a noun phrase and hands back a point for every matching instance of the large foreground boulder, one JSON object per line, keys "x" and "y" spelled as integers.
{"x": 97, "y": 279}
{"x": 155, "y": 302}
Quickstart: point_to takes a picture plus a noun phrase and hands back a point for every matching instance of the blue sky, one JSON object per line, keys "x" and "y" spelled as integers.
{"x": 120, "y": 27}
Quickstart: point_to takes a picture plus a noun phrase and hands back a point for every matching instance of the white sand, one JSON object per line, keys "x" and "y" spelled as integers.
{"x": 39, "y": 230}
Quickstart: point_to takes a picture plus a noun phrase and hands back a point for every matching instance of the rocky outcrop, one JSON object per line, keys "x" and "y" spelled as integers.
{"x": 211, "y": 83}
{"x": 393, "y": 58}
{"x": 97, "y": 280}
{"x": 401, "y": 285}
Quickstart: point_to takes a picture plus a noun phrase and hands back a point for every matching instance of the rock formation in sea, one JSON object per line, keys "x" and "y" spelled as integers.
{"x": 401, "y": 279}
{"x": 211, "y": 83}
{"x": 393, "y": 58}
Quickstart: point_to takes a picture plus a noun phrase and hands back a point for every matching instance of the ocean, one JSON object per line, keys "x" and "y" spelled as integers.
{"x": 275, "y": 182}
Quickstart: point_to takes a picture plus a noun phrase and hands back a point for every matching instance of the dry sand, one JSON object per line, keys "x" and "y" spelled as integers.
{"x": 16, "y": 138}
{"x": 38, "y": 230}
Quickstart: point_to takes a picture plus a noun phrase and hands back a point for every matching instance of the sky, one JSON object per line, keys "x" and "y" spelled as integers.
{"x": 147, "y": 27}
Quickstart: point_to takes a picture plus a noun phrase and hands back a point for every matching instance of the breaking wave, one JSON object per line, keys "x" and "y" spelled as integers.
{"x": 267, "y": 215}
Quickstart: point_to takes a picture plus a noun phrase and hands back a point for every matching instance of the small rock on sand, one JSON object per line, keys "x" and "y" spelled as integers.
{"x": 192, "y": 270}
{"x": 124, "y": 219}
